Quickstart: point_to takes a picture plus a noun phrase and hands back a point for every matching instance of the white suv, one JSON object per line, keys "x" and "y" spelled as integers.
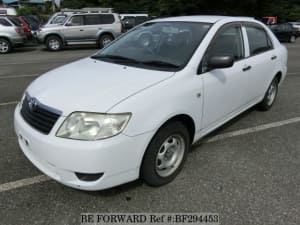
{"x": 133, "y": 109}
{"x": 81, "y": 28}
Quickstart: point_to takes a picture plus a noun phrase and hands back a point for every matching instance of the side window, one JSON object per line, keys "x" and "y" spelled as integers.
{"x": 259, "y": 41}
{"x": 92, "y": 20}
{"x": 228, "y": 42}
{"x": 76, "y": 20}
{"x": 107, "y": 19}
{"x": 5, "y": 23}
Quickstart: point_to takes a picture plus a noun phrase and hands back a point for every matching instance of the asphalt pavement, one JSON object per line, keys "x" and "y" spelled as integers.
{"x": 248, "y": 171}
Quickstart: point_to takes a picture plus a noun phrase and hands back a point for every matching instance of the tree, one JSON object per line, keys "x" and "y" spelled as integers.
{"x": 284, "y": 9}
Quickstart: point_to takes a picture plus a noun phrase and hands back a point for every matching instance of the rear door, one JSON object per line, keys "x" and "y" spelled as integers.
{"x": 261, "y": 60}
{"x": 95, "y": 24}
{"x": 92, "y": 26}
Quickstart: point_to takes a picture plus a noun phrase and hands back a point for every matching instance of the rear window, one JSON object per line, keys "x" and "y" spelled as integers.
{"x": 15, "y": 21}
{"x": 4, "y": 22}
{"x": 259, "y": 40}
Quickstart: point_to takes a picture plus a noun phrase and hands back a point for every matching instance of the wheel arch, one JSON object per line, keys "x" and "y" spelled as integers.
{"x": 278, "y": 75}
{"x": 106, "y": 33}
{"x": 54, "y": 34}
{"x": 185, "y": 119}
{"x": 6, "y": 38}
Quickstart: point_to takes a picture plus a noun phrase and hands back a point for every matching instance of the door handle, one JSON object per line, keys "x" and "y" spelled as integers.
{"x": 273, "y": 57}
{"x": 81, "y": 30}
{"x": 246, "y": 68}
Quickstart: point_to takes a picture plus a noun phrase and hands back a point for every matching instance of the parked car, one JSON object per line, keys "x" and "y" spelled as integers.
{"x": 33, "y": 21}
{"x": 131, "y": 20}
{"x": 82, "y": 28}
{"x": 8, "y": 11}
{"x": 134, "y": 108}
{"x": 284, "y": 32}
{"x": 11, "y": 34}
{"x": 296, "y": 26}
{"x": 26, "y": 27}
{"x": 60, "y": 17}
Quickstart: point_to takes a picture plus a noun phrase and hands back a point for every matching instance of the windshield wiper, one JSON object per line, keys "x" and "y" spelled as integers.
{"x": 115, "y": 58}
{"x": 160, "y": 64}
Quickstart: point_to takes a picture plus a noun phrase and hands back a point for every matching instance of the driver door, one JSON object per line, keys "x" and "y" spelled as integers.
{"x": 224, "y": 88}
{"x": 74, "y": 30}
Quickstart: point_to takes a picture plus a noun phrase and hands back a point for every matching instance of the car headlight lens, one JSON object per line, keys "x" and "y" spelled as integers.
{"x": 92, "y": 126}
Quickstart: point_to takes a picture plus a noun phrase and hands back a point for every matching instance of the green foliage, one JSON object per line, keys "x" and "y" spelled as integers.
{"x": 29, "y": 10}
{"x": 284, "y": 9}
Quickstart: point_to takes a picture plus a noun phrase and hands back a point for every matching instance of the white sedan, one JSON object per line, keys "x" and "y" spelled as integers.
{"x": 133, "y": 109}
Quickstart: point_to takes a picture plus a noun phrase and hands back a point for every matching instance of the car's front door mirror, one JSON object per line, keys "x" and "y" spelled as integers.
{"x": 219, "y": 62}
{"x": 69, "y": 23}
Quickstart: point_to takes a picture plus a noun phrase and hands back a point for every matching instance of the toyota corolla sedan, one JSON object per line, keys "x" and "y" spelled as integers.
{"x": 133, "y": 109}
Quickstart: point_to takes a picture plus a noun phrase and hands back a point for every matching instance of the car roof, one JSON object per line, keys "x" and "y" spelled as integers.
{"x": 88, "y": 14}
{"x": 203, "y": 19}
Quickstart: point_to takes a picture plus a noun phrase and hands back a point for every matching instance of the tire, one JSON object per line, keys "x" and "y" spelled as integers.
{"x": 165, "y": 155}
{"x": 104, "y": 40}
{"x": 292, "y": 39}
{"x": 270, "y": 96}
{"x": 5, "y": 46}
{"x": 54, "y": 43}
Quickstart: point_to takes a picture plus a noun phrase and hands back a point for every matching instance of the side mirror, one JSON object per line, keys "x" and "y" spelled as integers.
{"x": 218, "y": 62}
{"x": 68, "y": 24}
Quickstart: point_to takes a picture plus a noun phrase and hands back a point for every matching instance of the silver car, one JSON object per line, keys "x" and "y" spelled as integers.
{"x": 82, "y": 28}
{"x": 11, "y": 34}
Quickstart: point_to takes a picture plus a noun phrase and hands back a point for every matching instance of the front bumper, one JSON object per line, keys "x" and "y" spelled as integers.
{"x": 40, "y": 36}
{"x": 118, "y": 158}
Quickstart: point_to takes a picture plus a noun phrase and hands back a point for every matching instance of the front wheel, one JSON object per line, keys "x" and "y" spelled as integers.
{"x": 166, "y": 154}
{"x": 54, "y": 43}
{"x": 270, "y": 96}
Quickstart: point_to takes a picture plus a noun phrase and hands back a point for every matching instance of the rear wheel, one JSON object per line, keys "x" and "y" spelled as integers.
{"x": 5, "y": 46}
{"x": 270, "y": 96}
{"x": 105, "y": 40}
{"x": 166, "y": 154}
{"x": 54, "y": 43}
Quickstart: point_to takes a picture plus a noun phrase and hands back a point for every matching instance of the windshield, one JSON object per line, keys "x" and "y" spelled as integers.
{"x": 59, "y": 19}
{"x": 157, "y": 45}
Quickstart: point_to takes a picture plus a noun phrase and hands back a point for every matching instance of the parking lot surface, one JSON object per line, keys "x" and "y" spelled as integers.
{"x": 247, "y": 171}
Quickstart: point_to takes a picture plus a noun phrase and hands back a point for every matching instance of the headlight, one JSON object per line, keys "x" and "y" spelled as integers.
{"x": 92, "y": 126}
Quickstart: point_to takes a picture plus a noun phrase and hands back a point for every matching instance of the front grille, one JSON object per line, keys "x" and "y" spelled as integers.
{"x": 40, "y": 117}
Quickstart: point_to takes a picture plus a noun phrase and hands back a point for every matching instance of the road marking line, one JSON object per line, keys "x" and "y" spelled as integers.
{"x": 23, "y": 183}
{"x": 18, "y": 76}
{"x": 293, "y": 73}
{"x": 252, "y": 130}
{"x": 43, "y": 178}
{"x": 8, "y": 103}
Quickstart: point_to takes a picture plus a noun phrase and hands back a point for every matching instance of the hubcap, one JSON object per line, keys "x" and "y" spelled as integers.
{"x": 54, "y": 44}
{"x": 3, "y": 47}
{"x": 271, "y": 93}
{"x": 106, "y": 41}
{"x": 170, "y": 155}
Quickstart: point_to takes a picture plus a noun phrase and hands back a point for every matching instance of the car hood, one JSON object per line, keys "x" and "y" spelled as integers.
{"x": 92, "y": 85}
